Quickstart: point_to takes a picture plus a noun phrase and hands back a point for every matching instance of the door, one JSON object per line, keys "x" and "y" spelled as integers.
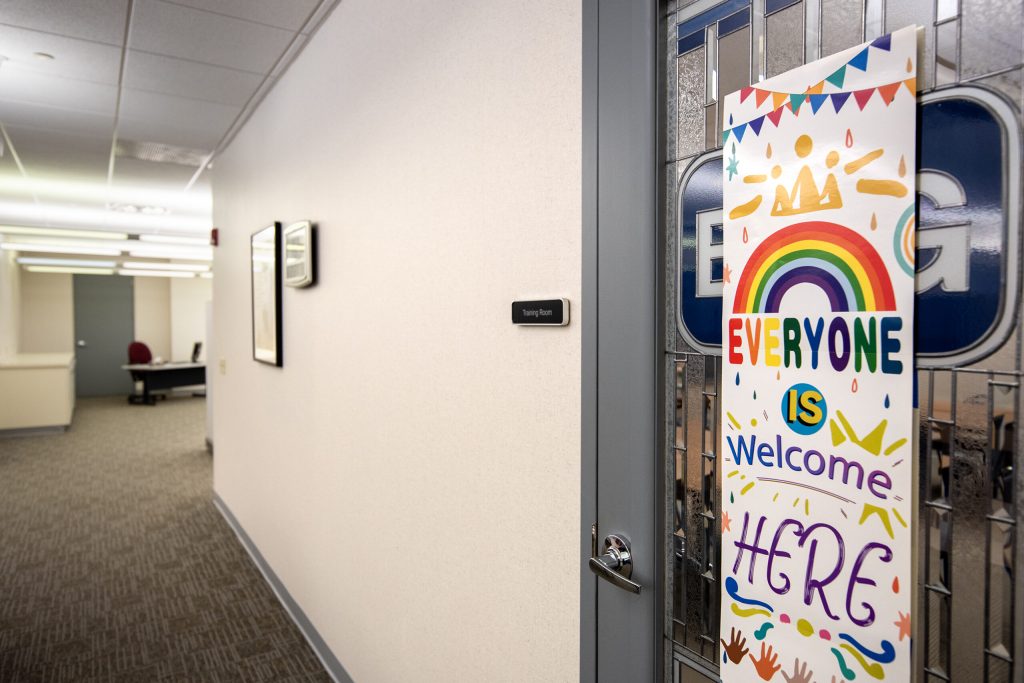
{"x": 969, "y": 601}
{"x": 621, "y": 629}
{"x": 653, "y": 77}
{"x": 104, "y": 327}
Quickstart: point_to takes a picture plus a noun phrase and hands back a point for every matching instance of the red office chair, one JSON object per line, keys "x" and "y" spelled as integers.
{"x": 139, "y": 353}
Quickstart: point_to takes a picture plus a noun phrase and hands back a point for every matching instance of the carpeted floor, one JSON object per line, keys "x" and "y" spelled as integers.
{"x": 115, "y": 565}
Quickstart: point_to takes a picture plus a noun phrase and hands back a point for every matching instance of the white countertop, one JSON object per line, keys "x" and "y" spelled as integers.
{"x": 23, "y": 361}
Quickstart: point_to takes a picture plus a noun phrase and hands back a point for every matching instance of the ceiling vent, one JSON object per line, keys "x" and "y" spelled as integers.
{"x": 159, "y": 152}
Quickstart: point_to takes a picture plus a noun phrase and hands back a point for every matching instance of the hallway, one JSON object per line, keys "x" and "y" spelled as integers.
{"x": 115, "y": 564}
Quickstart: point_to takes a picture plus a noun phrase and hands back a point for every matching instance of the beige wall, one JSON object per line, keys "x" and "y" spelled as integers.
{"x": 10, "y": 304}
{"x": 188, "y": 315}
{"x": 416, "y": 447}
{"x": 152, "y": 311}
{"x": 47, "y": 313}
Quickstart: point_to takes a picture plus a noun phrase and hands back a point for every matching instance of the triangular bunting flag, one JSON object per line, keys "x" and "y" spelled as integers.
{"x": 739, "y": 130}
{"x": 725, "y": 136}
{"x": 816, "y": 102}
{"x": 761, "y": 95}
{"x": 838, "y": 77}
{"x": 862, "y": 96}
{"x": 860, "y": 61}
{"x": 756, "y": 124}
{"x": 888, "y": 92}
{"x": 816, "y": 89}
{"x": 745, "y": 93}
{"x": 883, "y": 42}
{"x": 795, "y": 101}
{"x": 777, "y": 99}
{"x": 839, "y": 99}
{"x": 911, "y": 84}
{"x": 774, "y": 116}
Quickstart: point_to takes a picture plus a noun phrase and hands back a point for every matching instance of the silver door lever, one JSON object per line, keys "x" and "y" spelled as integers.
{"x": 615, "y": 564}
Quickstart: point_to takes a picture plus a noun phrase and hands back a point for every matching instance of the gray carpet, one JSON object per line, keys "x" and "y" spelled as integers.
{"x": 115, "y": 565}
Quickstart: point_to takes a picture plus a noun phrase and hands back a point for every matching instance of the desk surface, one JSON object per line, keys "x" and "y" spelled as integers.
{"x": 163, "y": 366}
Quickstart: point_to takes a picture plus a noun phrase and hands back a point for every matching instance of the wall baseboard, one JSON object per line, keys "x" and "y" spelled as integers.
{"x": 32, "y": 431}
{"x": 331, "y": 664}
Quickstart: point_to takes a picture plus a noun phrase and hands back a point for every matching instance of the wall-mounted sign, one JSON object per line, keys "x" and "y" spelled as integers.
{"x": 817, "y": 270}
{"x": 968, "y": 241}
{"x": 543, "y": 312}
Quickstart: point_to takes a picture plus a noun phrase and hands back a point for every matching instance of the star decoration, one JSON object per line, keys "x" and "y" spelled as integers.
{"x": 726, "y": 273}
{"x": 726, "y": 522}
{"x": 903, "y": 624}
{"x": 732, "y": 167}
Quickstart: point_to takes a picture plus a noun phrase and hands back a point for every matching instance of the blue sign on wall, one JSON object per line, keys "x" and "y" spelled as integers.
{"x": 968, "y": 239}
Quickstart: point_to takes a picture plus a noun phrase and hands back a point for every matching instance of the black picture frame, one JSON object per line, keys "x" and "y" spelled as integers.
{"x": 265, "y": 293}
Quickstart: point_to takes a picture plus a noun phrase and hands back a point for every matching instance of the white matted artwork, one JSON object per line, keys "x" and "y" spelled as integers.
{"x": 818, "y": 320}
{"x": 266, "y": 295}
{"x": 299, "y": 255}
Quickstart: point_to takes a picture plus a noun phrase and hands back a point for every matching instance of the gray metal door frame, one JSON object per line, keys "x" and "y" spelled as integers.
{"x": 622, "y": 313}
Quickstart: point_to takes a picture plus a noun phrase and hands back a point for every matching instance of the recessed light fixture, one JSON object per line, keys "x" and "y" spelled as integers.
{"x": 45, "y": 56}
{"x": 144, "y": 265}
{"x": 186, "y": 253}
{"x": 60, "y": 249}
{"x": 67, "y": 262}
{"x": 154, "y": 273}
{"x": 57, "y": 232}
{"x": 176, "y": 239}
{"x": 77, "y": 271}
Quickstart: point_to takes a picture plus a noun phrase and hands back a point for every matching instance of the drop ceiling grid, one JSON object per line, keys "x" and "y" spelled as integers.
{"x": 190, "y": 67}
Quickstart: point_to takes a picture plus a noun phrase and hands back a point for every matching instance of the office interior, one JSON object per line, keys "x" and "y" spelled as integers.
{"x": 380, "y": 476}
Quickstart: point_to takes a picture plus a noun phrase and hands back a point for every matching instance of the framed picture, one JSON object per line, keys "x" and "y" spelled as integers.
{"x": 266, "y": 295}
{"x": 299, "y": 255}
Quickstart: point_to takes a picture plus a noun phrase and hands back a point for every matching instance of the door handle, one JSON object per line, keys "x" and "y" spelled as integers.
{"x": 615, "y": 564}
{"x": 81, "y": 344}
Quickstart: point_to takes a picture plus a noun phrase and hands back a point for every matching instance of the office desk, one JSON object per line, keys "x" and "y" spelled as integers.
{"x": 166, "y": 376}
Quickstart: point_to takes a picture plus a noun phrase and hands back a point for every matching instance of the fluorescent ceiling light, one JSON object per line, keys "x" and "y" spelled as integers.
{"x": 143, "y": 265}
{"x": 194, "y": 201}
{"x": 56, "y": 232}
{"x": 96, "y": 218}
{"x": 175, "y": 239}
{"x": 136, "y": 248}
{"x": 206, "y": 275}
{"x": 165, "y": 252}
{"x": 82, "y": 263}
{"x": 155, "y": 273}
{"x": 60, "y": 249}
{"x": 78, "y": 271}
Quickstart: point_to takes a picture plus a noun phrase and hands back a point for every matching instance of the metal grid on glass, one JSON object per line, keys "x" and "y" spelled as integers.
{"x": 968, "y": 606}
{"x": 697, "y": 488}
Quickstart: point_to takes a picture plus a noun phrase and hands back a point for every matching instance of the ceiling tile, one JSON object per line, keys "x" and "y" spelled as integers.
{"x": 177, "y": 31}
{"x": 172, "y": 76}
{"x": 99, "y": 20}
{"x": 151, "y": 117}
{"x": 74, "y": 58}
{"x": 290, "y": 15}
{"x": 56, "y": 119}
{"x": 150, "y": 174}
{"x": 24, "y": 86}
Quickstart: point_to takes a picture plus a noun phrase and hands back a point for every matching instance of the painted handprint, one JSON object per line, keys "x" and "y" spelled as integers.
{"x": 737, "y": 646}
{"x": 800, "y": 673}
{"x": 766, "y": 666}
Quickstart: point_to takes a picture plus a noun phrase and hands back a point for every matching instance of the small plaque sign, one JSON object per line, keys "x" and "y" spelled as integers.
{"x": 546, "y": 312}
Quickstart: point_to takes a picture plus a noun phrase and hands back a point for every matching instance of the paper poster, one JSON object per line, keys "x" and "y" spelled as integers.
{"x": 817, "y": 389}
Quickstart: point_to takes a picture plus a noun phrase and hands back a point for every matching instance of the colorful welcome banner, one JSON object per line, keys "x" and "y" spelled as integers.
{"x": 818, "y": 382}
